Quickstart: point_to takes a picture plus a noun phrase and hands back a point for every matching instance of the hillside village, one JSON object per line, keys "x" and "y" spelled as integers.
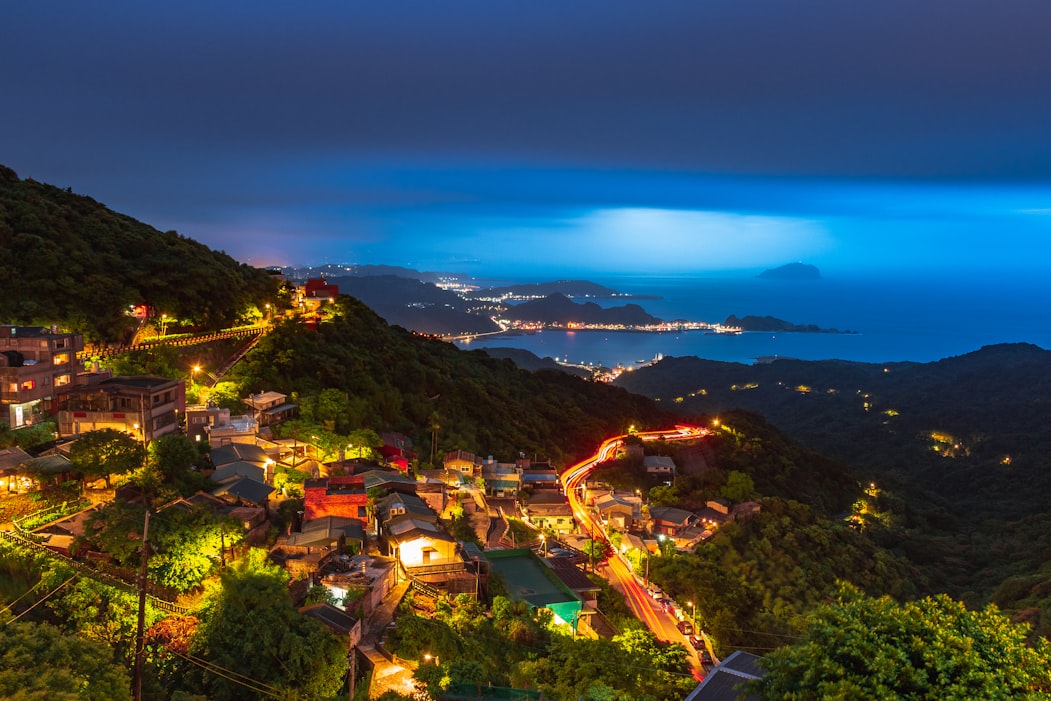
{"x": 355, "y": 531}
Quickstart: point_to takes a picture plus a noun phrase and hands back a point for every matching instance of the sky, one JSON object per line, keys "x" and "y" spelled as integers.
{"x": 546, "y": 138}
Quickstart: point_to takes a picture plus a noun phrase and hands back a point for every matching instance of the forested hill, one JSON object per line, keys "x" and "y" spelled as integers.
{"x": 386, "y": 377}
{"x": 964, "y": 441}
{"x": 70, "y": 260}
{"x": 971, "y": 427}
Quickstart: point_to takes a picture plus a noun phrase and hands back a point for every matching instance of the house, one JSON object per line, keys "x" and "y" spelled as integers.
{"x": 715, "y": 513}
{"x": 12, "y": 462}
{"x": 144, "y": 406}
{"x": 235, "y": 429}
{"x": 245, "y": 490}
{"x": 549, "y": 511}
{"x": 335, "y": 496}
{"x": 501, "y": 479}
{"x": 463, "y": 462}
{"x": 319, "y": 290}
{"x": 230, "y": 453}
{"x": 622, "y": 512}
{"x": 418, "y": 541}
{"x": 668, "y": 520}
{"x": 269, "y": 407}
{"x": 51, "y": 469}
{"x": 35, "y": 363}
{"x": 541, "y": 479}
{"x": 337, "y": 620}
{"x": 200, "y": 416}
{"x": 61, "y": 534}
{"x": 239, "y": 468}
{"x": 724, "y": 682}
{"x": 397, "y": 450}
{"x": 660, "y": 466}
{"x": 335, "y": 532}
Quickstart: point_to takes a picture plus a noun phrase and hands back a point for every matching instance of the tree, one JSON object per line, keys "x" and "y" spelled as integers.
{"x": 173, "y": 455}
{"x": 106, "y": 452}
{"x": 249, "y": 625}
{"x": 39, "y": 662}
{"x": 739, "y": 487}
{"x": 875, "y": 648}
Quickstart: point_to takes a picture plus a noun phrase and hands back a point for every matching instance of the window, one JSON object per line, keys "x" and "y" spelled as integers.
{"x": 61, "y": 380}
{"x": 60, "y": 358}
{"x": 28, "y": 384}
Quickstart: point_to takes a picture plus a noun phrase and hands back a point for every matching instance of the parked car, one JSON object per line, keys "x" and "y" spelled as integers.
{"x": 655, "y": 593}
{"x": 697, "y": 643}
{"x": 685, "y": 627}
{"x": 706, "y": 657}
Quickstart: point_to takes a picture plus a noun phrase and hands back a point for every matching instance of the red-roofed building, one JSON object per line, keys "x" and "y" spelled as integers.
{"x": 335, "y": 496}
{"x": 317, "y": 288}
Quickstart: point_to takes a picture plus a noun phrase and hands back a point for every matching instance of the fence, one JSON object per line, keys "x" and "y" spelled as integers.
{"x": 59, "y": 510}
{"x": 94, "y": 573}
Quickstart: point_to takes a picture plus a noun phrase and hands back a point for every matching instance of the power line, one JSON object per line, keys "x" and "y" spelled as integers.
{"x": 255, "y": 685}
{"x": 28, "y": 592}
{"x": 46, "y": 597}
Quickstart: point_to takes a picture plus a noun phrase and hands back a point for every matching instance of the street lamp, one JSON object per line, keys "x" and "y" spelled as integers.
{"x": 164, "y": 325}
{"x": 693, "y": 607}
{"x": 543, "y": 543}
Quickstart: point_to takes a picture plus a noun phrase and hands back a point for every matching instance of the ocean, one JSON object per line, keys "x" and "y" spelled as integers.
{"x": 918, "y": 319}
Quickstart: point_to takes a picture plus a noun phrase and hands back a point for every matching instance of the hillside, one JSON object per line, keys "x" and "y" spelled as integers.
{"x": 965, "y": 441}
{"x": 414, "y": 304}
{"x": 68, "y": 259}
{"x": 559, "y": 309}
{"x": 394, "y": 379}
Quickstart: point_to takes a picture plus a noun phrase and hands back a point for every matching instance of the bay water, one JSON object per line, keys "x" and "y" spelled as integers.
{"x": 904, "y": 318}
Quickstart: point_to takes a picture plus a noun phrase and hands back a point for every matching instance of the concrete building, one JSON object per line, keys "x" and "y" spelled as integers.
{"x": 144, "y": 406}
{"x": 35, "y": 363}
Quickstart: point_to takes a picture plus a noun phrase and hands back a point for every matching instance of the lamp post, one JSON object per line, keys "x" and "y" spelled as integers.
{"x": 693, "y": 607}
{"x": 543, "y": 543}
{"x": 164, "y": 325}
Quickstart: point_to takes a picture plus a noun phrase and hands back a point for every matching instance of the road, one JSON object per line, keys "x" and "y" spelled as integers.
{"x": 620, "y": 571}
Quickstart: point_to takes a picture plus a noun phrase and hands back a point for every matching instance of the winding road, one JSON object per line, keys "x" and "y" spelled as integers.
{"x": 620, "y": 570}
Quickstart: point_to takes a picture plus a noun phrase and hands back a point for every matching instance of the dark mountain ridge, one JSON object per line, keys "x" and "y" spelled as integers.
{"x": 559, "y": 309}
{"x": 70, "y": 260}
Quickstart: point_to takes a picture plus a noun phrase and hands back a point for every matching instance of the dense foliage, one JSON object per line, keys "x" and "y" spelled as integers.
{"x": 70, "y": 260}
{"x": 963, "y": 444}
{"x": 39, "y": 662}
{"x": 516, "y": 646}
{"x": 250, "y": 627}
{"x": 860, "y": 647}
{"x": 757, "y": 576}
{"x": 429, "y": 389}
{"x": 186, "y": 544}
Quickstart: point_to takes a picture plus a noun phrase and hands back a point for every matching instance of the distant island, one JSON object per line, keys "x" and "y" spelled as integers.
{"x": 559, "y": 309}
{"x": 769, "y": 323}
{"x": 792, "y": 271}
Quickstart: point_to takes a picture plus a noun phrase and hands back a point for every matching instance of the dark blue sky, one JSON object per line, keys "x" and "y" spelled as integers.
{"x": 550, "y": 136}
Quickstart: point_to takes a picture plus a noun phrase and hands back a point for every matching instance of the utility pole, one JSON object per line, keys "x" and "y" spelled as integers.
{"x": 353, "y": 673}
{"x": 140, "y": 643}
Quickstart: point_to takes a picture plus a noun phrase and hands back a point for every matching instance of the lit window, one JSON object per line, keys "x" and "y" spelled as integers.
{"x": 61, "y": 380}
{"x": 61, "y": 358}
{"x": 28, "y": 384}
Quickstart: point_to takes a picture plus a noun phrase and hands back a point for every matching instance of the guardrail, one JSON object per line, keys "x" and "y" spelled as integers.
{"x": 85, "y": 569}
{"x": 57, "y": 509}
